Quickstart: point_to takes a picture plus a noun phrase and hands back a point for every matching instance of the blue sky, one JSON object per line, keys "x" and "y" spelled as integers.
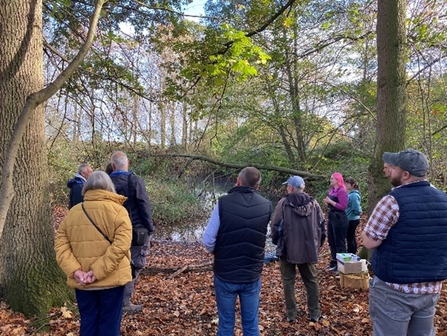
{"x": 195, "y": 8}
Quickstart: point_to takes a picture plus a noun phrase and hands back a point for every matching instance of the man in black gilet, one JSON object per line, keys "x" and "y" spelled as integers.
{"x": 236, "y": 235}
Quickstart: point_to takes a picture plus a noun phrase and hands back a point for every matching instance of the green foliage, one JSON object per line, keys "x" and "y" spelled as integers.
{"x": 342, "y": 157}
{"x": 173, "y": 201}
{"x": 300, "y": 94}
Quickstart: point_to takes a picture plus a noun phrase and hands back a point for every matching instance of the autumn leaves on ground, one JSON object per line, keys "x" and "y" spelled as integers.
{"x": 183, "y": 303}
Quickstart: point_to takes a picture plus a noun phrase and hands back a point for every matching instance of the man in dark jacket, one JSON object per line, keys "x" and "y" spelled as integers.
{"x": 77, "y": 183}
{"x": 298, "y": 232}
{"x": 236, "y": 235}
{"x": 408, "y": 232}
{"x": 137, "y": 204}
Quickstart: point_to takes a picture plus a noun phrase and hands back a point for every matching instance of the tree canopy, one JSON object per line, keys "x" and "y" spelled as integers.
{"x": 297, "y": 86}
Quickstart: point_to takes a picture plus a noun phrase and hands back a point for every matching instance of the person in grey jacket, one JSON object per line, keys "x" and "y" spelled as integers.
{"x": 298, "y": 232}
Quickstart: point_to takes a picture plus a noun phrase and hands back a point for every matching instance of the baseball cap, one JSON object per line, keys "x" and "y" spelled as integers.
{"x": 295, "y": 181}
{"x": 409, "y": 160}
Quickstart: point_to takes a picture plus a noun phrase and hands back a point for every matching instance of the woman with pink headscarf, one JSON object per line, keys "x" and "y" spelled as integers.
{"x": 337, "y": 224}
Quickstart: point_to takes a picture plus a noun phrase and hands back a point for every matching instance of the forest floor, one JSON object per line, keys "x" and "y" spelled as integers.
{"x": 183, "y": 302}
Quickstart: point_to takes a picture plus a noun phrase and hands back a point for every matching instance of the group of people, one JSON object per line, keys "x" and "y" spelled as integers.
{"x": 344, "y": 209}
{"x": 407, "y": 230}
{"x": 97, "y": 246}
{"x": 236, "y": 234}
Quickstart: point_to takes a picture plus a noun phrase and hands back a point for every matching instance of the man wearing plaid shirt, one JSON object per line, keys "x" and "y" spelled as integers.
{"x": 408, "y": 230}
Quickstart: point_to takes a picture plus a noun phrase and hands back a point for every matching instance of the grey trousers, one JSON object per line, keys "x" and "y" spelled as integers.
{"x": 400, "y": 314}
{"x": 138, "y": 255}
{"x": 308, "y": 273}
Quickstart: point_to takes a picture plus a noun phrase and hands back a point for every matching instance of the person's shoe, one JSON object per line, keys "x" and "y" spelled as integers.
{"x": 331, "y": 268}
{"x": 289, "y": 319}
{"x": 314, "y": 319}
{"x": 131, "y": 308}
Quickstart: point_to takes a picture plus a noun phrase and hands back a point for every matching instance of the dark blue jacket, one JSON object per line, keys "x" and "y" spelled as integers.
{"x": 137, "y": 204}
{"x": 75, "y": 184}
{"x": 240, "y": 242}
{"x": 415, "y": 249}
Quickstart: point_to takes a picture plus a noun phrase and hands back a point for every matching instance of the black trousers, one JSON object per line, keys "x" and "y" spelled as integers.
{"x": 337, "y": 228}
{"x": 350, "y": 236}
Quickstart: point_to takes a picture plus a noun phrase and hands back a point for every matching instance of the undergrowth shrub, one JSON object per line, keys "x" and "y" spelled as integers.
{"x": 173, "y": 201}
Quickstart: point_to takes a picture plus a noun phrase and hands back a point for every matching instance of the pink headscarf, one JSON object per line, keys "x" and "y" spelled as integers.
{"x": 339, "y": 177}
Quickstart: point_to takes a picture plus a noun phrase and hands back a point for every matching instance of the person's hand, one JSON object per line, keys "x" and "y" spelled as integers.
{"x": 89, "y": 277}
{"x": 327, "y": 200}
{"x": 84, "y": 278}
{"x": 79, "y": 276}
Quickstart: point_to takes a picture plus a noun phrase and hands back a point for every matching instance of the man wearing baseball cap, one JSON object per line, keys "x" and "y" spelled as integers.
{"x": 408, "y": 232}
{"x": 297, "y": 230}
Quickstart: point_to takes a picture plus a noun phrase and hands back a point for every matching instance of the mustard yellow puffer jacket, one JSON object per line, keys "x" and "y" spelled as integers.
{"x": 79, "y": 245}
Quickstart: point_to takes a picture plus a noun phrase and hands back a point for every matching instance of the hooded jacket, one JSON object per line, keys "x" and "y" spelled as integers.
{"x": 302, "y": 223}
{"x": 75, "y": 184}
{"x": 354, "y": 209}
{"x": 79, "y": 245}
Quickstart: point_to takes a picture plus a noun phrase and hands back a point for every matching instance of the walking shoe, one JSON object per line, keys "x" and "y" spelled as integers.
{"x": 289, "y": 319}
{"x": 314, "y": 319}
{"x": 131, "y": 308}
{"x": 331, "y": 268}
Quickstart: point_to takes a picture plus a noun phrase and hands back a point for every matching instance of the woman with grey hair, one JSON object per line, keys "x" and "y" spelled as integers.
{"x": 92, "y": 247}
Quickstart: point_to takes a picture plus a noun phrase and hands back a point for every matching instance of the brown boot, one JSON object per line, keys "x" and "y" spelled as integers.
{"x": 131, "y": 308}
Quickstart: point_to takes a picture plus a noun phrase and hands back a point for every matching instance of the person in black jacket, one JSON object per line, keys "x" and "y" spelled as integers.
{"x": 77, "y": 183}
{"x": 140, "y": 212}
{"x": 236, "y": 235}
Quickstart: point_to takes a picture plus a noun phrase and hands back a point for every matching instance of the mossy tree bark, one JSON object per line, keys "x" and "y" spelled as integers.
{"x": 391, "y": 96}
{"x": 30, "y": 280}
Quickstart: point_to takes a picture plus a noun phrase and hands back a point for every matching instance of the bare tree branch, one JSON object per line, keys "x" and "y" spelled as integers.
{"x": 305, "y": 174}
{"x": 34, "y": 100}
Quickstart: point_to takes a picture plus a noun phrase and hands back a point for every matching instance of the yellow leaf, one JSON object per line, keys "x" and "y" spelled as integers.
{"x": 66, "y": 313}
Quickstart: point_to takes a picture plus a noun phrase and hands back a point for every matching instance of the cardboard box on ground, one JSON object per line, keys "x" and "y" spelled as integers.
{"x": 355, "y": 280}
{"x": 353, "y": 271}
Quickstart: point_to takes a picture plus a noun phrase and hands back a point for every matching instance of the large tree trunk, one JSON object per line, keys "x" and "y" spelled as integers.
{"x": 30, "y": 280}
{"x": 390, "y": 134}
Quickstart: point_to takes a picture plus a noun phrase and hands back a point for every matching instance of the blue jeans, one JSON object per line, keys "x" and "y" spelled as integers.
{"x": 400, "y": 314}
{"x": 100, "y": 311}
{"x": 226, "y": 294}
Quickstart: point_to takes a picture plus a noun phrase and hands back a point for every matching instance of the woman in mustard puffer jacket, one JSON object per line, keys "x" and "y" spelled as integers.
{"x": 97, "y": 264}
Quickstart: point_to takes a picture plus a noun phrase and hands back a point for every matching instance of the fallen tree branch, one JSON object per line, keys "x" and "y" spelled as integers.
{"x": 181, "y": 270}
{"x": 302, "y": 173}
{"x": 208, "y": 266}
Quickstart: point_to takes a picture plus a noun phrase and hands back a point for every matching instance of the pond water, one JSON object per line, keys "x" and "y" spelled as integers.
{"x": 192, "y": 232}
